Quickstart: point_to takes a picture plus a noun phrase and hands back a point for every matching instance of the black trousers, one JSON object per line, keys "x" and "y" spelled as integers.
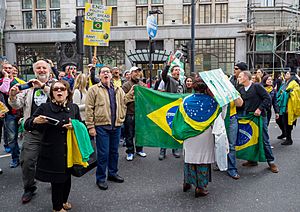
{"x": 60, "y": 193}
{"x": 129, "y": 126}
{"x": 283, "y": 125}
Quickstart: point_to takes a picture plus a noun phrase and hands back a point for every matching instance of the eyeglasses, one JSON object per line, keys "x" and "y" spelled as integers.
{"x": 59, "y": 88}
{"x": 105, "y": 71}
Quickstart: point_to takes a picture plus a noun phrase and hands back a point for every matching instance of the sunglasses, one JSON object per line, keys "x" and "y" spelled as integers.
{"x": 235, "y": 68}
{"x": 59, "y": 88}
{"x": 105, "y": 71}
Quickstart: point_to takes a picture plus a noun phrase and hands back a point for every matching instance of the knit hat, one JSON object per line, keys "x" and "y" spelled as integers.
{"x": 243, "y": 66}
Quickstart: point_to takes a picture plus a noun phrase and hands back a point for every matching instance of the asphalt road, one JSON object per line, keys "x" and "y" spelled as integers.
{"x": 153, "y": 185}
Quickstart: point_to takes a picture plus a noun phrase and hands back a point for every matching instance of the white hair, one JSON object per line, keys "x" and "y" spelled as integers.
{"x": 35, "y": 64}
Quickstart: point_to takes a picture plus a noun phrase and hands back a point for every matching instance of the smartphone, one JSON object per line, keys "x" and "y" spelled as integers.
{"x": 25, "y": 86}
{"x": 52, "y": 120}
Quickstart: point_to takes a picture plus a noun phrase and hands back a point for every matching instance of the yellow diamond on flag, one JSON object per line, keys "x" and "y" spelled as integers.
{"x": 163, "y": 117}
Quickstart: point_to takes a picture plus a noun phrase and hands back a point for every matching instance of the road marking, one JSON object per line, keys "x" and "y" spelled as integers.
{"x": 3, "y": 156}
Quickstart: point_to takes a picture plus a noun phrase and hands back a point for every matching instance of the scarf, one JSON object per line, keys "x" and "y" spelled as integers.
{"x": 62, "y": 104}
{"x": 269, "y": 89}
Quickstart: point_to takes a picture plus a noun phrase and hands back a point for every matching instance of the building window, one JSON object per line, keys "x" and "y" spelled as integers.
{"x": 97, "y": 2}
{"x": 141, "y": 15}
{"x": 212, "y": 54}
{"x": 267, "y": 3}
{"x": 55, "y": 14}
{"x": 114, "y": 16}
{"x": 111, "y": 2}
{"x": 27, "y": 4}
{"x": 141, "y": 2}
{"x": 27, "y": 20}
{"x": 186, "y": 15}
{"x": 157, "y": 2}
{"x": 55, "y": 4}
{"x": 55, "y": 18}
{"x": 142, "y": 7}
{"x": 81, "y": 3}
{"x": 41, "y": 4}
{"x": 41, "y": 19}
{"x": 159, "y": 17}
{"x": 112, "y": 55}
{"x": 205, "y": 13}
{"x": 221, "y": 13}
{"x": 42, "y": 11}
{"x": 27, "y": 14}
{"x": 27, "y": 54}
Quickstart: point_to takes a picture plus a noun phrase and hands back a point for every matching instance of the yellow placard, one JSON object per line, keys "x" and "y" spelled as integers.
{"x": 97, "y": 25}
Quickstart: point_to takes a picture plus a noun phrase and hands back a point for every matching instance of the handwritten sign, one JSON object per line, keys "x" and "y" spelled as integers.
{"x": 97, "y": 25}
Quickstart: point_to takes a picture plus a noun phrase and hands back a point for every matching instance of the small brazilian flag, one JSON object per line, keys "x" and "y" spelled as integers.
{"x": 196, "y": 113}
{"x": 97, "y": 25}
{"x": 249, "y": 144}
{"x": 154, "y": 113}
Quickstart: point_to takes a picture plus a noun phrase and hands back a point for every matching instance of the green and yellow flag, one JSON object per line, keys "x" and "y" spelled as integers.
{"x": 195, "y": 114}
{"x": 249, "y": 145}
{"x": 154, "y": 113}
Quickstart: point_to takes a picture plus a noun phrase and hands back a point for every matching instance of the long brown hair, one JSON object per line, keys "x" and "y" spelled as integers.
{"x": 67, "y": 85}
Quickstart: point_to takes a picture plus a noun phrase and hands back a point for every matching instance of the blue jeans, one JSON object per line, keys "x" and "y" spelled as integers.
{"x": 107, "y": 142}
{"x": 232, "y": 137}
{"x": 11, "y": 135}
{"x": 267, "y": 146}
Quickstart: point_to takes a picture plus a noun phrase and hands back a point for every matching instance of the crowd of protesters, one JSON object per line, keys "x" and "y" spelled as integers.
{"x": 105, "y": 104}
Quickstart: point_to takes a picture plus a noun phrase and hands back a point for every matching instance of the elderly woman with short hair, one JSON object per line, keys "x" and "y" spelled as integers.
{"x": 51, "y": 164}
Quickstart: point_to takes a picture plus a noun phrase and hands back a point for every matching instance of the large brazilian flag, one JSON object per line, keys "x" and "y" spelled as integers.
{"x": 154, "y": 113}
{"x": 196, "y": 113}
{"x": 249, "y": 145}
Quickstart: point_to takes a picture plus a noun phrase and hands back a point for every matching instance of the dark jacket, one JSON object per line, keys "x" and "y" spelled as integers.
{"x": 51, "y": 164}
{"x": 171, "y": 84}
{"x": 273, "y": 95}
{"x": 126, "y": 88}
{"x": 255, "y": 97}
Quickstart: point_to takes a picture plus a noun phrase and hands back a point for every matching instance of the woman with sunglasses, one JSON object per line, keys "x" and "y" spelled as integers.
{"x": 53, "y": 120}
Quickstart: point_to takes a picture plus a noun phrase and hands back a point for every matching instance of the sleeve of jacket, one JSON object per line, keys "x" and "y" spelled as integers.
{"x": 19, "y": 100}
{"x": 274, "y": 102}
{"x": 94, "y": 79}
{"x": 264, "y": 96}
{"x": 126, "y": 87}
{"x": 77, "y": 100}
{"x": 77, "y": 112}
{"x": 4, "y": 88}
{"x": 55, "y": 72}
{"x": 164, "y": 74}
{"x": 90, "y": 108}
{"x": 29, "y": 125}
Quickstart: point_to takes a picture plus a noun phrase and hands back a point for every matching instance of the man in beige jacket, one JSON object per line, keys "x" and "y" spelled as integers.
{"x": 105, "y": 112}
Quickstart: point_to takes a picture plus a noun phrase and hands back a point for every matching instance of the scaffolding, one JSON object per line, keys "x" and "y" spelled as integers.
{"x": 273, "y": 40}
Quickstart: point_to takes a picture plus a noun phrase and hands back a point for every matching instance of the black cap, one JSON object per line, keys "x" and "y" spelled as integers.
{"x": 243, "y": 66}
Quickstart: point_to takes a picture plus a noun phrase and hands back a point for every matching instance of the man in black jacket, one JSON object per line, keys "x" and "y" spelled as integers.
{"x": 257, "y": 100}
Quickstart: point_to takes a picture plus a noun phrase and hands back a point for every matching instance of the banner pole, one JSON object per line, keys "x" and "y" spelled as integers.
{"x": 95, "y": 51}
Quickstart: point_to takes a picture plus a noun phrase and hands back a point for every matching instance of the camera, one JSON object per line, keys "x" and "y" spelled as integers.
{"x": 25, "y": 86}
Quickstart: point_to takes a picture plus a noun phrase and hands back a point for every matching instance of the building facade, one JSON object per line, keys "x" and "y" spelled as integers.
{"x": 273, "y": 39}
{"x": 39, "y": 28}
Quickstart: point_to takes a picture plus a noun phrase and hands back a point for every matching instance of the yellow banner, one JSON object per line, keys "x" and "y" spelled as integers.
{"x": 97, "y": 25}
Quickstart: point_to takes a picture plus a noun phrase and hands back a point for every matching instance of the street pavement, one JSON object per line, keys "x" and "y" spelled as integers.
{"x": 153, "y": 185}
